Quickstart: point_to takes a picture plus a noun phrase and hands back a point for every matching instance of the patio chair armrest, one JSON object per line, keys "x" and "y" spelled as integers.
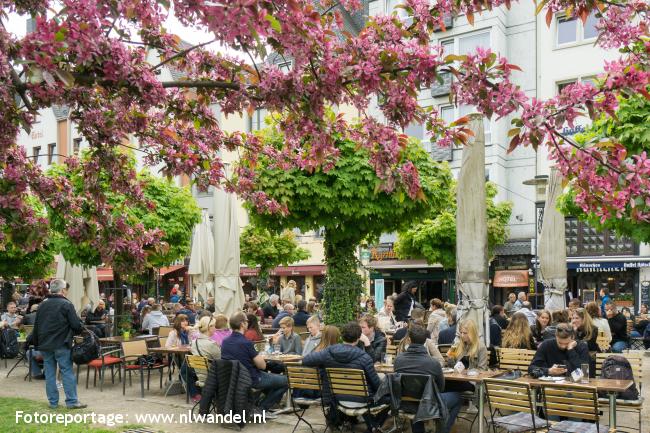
{"x": 110, "y": 351}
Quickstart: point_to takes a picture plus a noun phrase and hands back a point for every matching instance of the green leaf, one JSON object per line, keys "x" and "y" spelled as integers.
{"x": 275, "y": 24}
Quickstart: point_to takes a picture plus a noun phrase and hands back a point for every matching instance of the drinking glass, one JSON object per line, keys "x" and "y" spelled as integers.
{"x": 585, "y": 373}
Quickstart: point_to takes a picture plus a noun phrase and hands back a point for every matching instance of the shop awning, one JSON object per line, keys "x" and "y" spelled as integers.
{"x": 287, "y": 270}
{"x": 104, "y": 274}
{"x": 510, "y": 278}
{"x": 169, "y": 269}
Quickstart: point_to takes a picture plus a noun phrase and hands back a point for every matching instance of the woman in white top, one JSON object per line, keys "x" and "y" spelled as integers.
{"x": 289, "y": 292}
{"x": 602, "y": 324}
{"x": 203, "y": 345}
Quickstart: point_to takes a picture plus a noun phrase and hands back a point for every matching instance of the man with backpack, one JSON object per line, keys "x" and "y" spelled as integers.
{"x": 56, "y": 323}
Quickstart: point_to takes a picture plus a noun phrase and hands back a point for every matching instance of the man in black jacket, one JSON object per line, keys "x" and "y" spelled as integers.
{"x": 618, "y": 325}
{"x": 271, "y": 309}
{"x": 56, "y": 323}
{"x": 416, "y": 360}
{"x": 301, "y": 317}
{"x": 372, "y": 340}
{"x": 405, "y": 301}
{"x": 560, "y": 356}
{"x": 347, "y": 355}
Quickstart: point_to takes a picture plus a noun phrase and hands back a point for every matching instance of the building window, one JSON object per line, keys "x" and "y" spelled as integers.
{"x": 256, "y": 122}
{"x": 36, "y": 153}
{"x": 589, "y": 80}
{"x": 572, "y": 30}
{"x": 51, "y": 151}
{"x": 584, "y": 240}
{"x": 76, "y": 146}
{"x": 450, "y": 113}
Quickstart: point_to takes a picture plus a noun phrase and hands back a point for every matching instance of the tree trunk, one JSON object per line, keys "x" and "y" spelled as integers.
{"x": 119, "y": 301}
{"x": 343, "y": 285}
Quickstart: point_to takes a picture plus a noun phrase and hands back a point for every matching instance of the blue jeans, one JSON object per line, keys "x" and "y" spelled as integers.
{"x": 274, "y": 386}
{"x": 62, "y": 357}
{"x": 35, "y": 366}
{"x": 454, "y": 403}
{"x": 619, "y": 347}
{"x": 635, "y": 334}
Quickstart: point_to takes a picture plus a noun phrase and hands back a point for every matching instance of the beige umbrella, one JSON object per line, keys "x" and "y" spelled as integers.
{"x": 201, "y": 267}
{"x": 471, "y": 233}
{"x": 552, "y": 248}
{"x": 84, "y": 288}
{"x": 229, "y": 296}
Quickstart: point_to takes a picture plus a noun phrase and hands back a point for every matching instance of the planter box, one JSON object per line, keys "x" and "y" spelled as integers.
{"x": 624, "y": 303}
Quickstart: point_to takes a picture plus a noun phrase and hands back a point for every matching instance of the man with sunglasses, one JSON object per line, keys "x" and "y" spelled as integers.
{"x": 561, "y": 355}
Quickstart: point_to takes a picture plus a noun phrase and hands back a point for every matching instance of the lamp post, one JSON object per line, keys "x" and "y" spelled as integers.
{"x": 539, "y": 182}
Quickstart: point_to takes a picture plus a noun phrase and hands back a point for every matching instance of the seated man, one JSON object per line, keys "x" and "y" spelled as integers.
{"x": 238, "y": 348}
{"x": 416, "y": 315}
{"x": 30, "y": 317}
{"x": 98, "y": 319}
{"x": 347, "y": 355}
{"x": 287, "y": 312}
{"x": 416, "y": 360}
{"x": 372, "y": 340}
{"x": 11, "y": 318}
{"x": 448, "y": 335}
{"x": 301, "y": 317}
{"x": 271, "y": 308}
{"x": 561, "y": 355}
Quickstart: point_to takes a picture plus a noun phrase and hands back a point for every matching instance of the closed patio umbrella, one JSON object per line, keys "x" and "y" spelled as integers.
{"x": 471, "y": 233}
{"x": 552, "y": 248}
{"x": 84, "y": 287}
{"x": 201, "y": 267}
{"x": 229, "y": 296}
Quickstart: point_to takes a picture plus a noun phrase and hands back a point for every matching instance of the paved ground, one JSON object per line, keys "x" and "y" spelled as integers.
{"x": 111, "y": 401}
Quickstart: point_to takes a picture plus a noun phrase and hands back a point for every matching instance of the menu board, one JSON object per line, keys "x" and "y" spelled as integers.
{"x": 645, "y": 292}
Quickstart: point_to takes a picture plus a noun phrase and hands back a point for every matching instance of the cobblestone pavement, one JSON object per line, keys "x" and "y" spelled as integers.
{"x": 111, "y": 401}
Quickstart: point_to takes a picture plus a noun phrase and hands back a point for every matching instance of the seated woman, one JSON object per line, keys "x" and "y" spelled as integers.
{"x": 287, "y": 340}
{"x": 585, "y": 329}
{"x": 518, "y": 335}
{"x": 222, "y": 329}
{"x": 470, "y": 351}
{"x": 202, "y": 346}
{"x": 557, "y": 317}
{"x": 602, "y": 324}
{"x": 253, "y": 333}
{"x": 542, "y": 322}
{"x": 180, "y": 335}
{"x": 251, "y": 307}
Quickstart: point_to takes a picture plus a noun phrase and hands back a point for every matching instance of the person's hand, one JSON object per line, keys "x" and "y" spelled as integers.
{"x": 557, "y": 371}
{"x": 275, "y": 338}
{"x": 572, "y": 345}
{"x": 364, "y": 340}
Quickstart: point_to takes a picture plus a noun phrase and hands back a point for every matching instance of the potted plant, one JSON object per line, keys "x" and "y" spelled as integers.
{"x": 124, "y": 328}
{"x": 624, "y": 300}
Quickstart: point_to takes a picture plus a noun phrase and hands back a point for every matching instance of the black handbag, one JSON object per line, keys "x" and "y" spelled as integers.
{"x": 87, "y": 349}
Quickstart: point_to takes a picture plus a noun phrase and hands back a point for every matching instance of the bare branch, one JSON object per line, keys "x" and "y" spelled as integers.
{"x": 182, "y": 53}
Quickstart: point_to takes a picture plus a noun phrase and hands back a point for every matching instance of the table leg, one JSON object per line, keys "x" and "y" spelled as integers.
{"x": 612, "y": 410}
{"x": 480, "y": 407}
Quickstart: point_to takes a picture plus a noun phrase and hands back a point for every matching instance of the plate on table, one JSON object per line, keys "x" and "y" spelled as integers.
{"x": 447, "y": 370}
{"x": 552, "y": 378}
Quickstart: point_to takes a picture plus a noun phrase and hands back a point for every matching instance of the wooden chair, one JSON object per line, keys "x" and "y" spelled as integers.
{"x": 515, "y": 359}
{"x": 303, "y": 379}
{"x": 444, "y": 348}
{"x": 576, "y": 402}
{"x": 348, "y": 382}
{"x": 512, "y": 396}
{"x": 602, "y": 341}
{"x": 133, "y": 353}
{"x": 200, "y": 364}
{"x": 391, "y": 350}
{"x": 636, "y": 362}
{"x": 164, "y": 331}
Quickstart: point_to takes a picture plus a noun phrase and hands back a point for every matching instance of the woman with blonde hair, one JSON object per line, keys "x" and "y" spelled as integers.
{"x": 585, "y": 328}
{"x": 602, "y": 324}
{"x": 289, "y": 292}
{"x": 470, "y": 350}
{"x": 222, "y": 329}
{"x": 329, "y": 337}
{"x": 517, "y": 335}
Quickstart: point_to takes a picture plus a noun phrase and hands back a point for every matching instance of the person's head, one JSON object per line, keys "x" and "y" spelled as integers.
{"x": 291, "y": 284}
{"x": 286, "y": 324}
{"x": 389, "y": 306}
{"x": 521, "y": 296}
{"x": 451, "y": 315}
{"x": 574, "y": 303}
{"x": 311, "y": 307}
{"x": 155, "y": 307}
{"x": 220, "y": 321}
{"x": 206, "y": 326}
{"x": 313, "y": 325}
{"x": 253, "y": 323}
{"x": 512, "y": 297}
{"x": 564, "y": 335}
{"x": 626, "y": 312}
{"x": 469, "y": 340}
{"x": 581, "y": 320}
{"x": 273, "y": 299}
{"x": 11, "y": 307}
{"x": 329, "y": 337}
{"x": 145, "y": 310}
{"x": 517, "y": 335}
{"x": 209, "y": 301}
{"x": 370, "y": 303}
{"x": 604, "y": 291}
{"x": 288, "y": 308}
{"x": 368, "y": 324}
{"x": 411, "y": 287}
{"x": 417, "y": 334}
{"x": 181, "y": 323}
{"x": 610, "y": 309}
{"x": 302, "y": 305}
{"x": 498, "y": 310}
{"x": 418, "y": 314}
{"x": 643, "y": 309}
{"x": 58, "y": 286}
{"x": 151, "y": 301}
{"x": 351, "y": 332}
{"x": 436, "y": 304}
{"x": 177, "y": 307}
{"x": 526, "y": 305}
{"x": 190, "y": 304}
{"x": 560, "y": 316}
{"x": 593, "y": 309}
{"x": 543, "y": 319}
{"x": 238, "y": 322}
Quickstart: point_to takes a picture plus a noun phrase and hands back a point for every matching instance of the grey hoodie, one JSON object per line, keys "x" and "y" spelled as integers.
{"x": 155, "y": 319}
{"x": 310, "y": 344}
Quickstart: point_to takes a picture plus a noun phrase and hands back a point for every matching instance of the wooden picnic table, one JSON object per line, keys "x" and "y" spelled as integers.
{"x": 611, "y": 386}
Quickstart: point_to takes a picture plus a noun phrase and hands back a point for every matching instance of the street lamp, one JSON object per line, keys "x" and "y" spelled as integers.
{"x": 539, "y": 182}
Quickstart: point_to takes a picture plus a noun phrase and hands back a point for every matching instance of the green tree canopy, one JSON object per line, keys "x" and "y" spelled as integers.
{"x": 346, "y": 200}
{"x": 261, "y": 247}
{"x": 631, "y": 128}
{"x": 434, "y": 238}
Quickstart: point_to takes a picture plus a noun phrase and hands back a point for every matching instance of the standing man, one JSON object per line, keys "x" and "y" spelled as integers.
{"x": 56, "y": 323}
{"x": 604, "y": 296}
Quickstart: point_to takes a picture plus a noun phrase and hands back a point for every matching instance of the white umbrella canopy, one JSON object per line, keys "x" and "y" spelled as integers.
{"x": 229, "y": 296}
{"x": 471, "y": 233}
{"x": 552, "y": 248}
{"x": 84, "y": 287}
{"x": 201, "y": 267}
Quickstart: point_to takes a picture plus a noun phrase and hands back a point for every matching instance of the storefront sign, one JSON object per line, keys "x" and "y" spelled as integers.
{"x": 607, "y": 266}
{"x": 379, "y": 294}
{"x": 365, "y": 255}
{"x": 383, "y": 252}
{"x": 511, "y": 278}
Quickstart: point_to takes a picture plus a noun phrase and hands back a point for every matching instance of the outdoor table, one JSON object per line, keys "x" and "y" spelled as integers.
{"x": 22, "y": 357}
{"x": 459, "y": 377}
{"x": 269, "y": 331}
{"x": 178, "y": 354}
{"x": 611, "y": 386}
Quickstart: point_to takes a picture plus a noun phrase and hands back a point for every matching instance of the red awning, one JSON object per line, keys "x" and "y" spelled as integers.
{"x": 287, "y": 270}
{"x": 104, "y": 274}
{"x": 511, "y": 279}
{"x": 169, "y": 269}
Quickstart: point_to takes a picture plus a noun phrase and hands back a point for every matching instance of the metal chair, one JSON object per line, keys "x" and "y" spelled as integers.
{"x": 133, "y": 353}
{"x": 512, "y": 396}
{"x": 575, "y": 402}
{"x": 108, "y": 357}
{"x": 303, "y": 379}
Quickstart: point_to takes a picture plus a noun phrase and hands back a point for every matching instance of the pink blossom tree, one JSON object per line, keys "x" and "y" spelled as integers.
{"x": 90, "y": 55}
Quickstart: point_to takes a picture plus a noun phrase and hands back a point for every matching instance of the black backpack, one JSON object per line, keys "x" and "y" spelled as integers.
{"x": 87, "y": 349}
{"x": 617, "y": 367}
{"x": 8, "y": 343}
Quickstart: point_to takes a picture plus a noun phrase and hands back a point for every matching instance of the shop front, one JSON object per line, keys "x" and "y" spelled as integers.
{"x": 306, "y": 277}
{"x": 506, "y": 281}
